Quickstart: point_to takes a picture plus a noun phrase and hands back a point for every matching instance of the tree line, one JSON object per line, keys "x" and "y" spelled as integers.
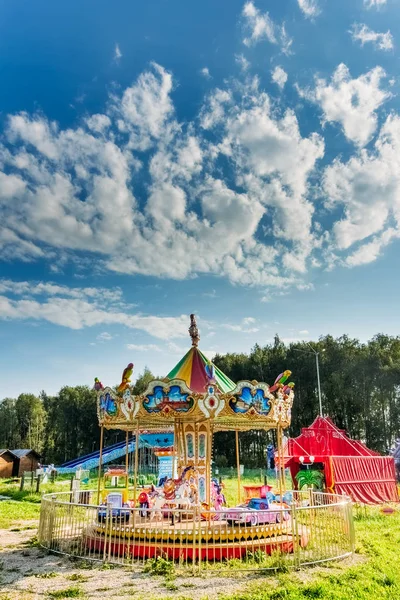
{"x": 360, "y": 385}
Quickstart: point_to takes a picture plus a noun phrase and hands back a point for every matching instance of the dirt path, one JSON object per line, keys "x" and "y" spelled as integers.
{"x": 29, "y": 573}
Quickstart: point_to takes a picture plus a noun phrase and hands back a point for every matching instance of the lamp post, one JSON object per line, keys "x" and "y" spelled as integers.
{"x": 316, "y": 354}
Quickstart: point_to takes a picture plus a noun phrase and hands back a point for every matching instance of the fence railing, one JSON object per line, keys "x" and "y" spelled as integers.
{"x": 316, "y": 527}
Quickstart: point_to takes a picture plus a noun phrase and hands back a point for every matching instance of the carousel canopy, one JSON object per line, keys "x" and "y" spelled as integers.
{"x": 196, "y": 391}
{"x": 192, "y": 370}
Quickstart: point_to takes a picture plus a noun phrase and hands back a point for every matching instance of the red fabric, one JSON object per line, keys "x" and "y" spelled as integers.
{"x": 369, "y": 480}
{"x": 198, "y": 381}
{"x": 349, "y": 466}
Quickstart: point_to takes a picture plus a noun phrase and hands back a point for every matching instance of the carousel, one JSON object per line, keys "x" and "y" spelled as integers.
{"x": 185, "y": 513}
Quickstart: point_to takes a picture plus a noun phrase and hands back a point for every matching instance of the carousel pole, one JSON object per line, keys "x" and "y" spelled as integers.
{"x": 175, "y": 451}
{"x": 100, "y": 461}
{"x": 136, "y": 463}
{"x": 208, "y": 465}
{"x": 127, "y": 460}
{"x": 183, "y": 442}
{"x": 280, "y": 459}
{"x": 238, "y": 463}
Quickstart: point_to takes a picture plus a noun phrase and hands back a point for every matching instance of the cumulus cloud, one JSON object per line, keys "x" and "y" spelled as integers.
{"x": 309, "y": 8}
{"x": 80, "y": 190}
{"x": 365, "y": 35}
{"x": 352, "y": 103}
{"x": 205, "y": 72}
{"x": 372, "y": 250}
{"x": 261, "y": 27}
{"x": 367, "y": 186}
{"x": 279, "y": 76}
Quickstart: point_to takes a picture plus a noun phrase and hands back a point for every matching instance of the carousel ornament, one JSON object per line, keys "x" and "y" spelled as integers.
{"x": 126, "y": 378}
{"x": 98, "y": 385}
{"x": 193, "y": 331}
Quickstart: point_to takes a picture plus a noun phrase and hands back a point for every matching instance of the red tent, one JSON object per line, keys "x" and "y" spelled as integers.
{"x": 349, "y": 466}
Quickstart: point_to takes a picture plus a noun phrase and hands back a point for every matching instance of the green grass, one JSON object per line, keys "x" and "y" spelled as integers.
{"x": 12, "y": 512}
{"x": 373, "y": 574}
{"x": 71, "y": 592}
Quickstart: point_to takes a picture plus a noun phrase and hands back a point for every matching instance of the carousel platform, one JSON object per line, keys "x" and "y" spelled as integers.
{"x": 192, "y": 540}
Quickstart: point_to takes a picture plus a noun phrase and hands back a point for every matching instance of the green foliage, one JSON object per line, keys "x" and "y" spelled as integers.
{"x": 72, "y": 592}
{"x": 360, "y": 391}
{"x": 160, "y": 566}
{"x": 310, "y": 478}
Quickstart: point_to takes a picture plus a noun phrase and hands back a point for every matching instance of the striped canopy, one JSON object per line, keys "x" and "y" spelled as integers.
{"x": 191, "y": 368}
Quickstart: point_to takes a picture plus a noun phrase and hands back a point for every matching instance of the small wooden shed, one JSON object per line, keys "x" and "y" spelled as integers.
{"x": 25, "y": 460}
{"x": 6, "y": 463}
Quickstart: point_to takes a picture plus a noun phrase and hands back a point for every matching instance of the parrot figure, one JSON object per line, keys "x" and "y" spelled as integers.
{"x": 287, "y": 388}
{"x": 275, "y": 387}
{"x": 283, "y": 377}
{"x": 210, "y": 372}
{"x": 126, "y": 378}
{"x": 98, "y": 385}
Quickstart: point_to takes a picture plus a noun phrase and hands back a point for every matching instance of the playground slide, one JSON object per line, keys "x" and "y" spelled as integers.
{"x": 112, "y": 453}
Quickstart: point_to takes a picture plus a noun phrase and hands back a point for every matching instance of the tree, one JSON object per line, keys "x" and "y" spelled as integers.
{"x": 142, "y": 381}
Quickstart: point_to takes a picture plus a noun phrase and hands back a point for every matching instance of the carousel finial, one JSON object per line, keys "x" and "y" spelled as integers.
{"x": 193, "y": 331}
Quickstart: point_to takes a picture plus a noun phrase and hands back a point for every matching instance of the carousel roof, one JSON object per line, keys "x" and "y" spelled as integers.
{"x": 192, "y": 369}
{"x": 196, "y": 391}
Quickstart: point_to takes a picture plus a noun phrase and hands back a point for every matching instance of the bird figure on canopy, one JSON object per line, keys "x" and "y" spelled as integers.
{"x": 280, "y": 380}
{"x": 126, "y": 378}
{"x": 98, "y": 385}
{"x": 210, "y": 372}
{"x": 288, "y": 388}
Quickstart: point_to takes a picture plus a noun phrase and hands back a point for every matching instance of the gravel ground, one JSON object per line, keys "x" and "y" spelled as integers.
{"x": 27, "y": 572}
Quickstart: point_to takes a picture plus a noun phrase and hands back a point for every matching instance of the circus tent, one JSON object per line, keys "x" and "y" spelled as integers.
{"x": 349, "y": 467}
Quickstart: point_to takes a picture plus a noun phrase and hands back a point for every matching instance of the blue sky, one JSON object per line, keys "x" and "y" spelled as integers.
{"x": 234, "y": 159}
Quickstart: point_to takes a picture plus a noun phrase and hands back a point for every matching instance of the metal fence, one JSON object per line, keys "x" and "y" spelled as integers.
{"x": 317, "y": 527}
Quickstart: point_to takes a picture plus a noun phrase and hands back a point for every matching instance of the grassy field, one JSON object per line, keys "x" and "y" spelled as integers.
{"x": 372, "y": 574}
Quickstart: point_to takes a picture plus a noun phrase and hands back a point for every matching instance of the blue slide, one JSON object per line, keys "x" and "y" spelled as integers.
{"x": 111, "y": 453}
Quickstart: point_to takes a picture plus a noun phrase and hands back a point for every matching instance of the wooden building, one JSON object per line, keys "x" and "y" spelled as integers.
{"x": 25, "y": 460}
{"x": 6, "y": 463}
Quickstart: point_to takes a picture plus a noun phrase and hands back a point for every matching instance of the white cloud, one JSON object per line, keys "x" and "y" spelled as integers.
{"x": 205, "y": 72}
{"x": 367, "y": 186}
{"x": 261, "y": 27}
{"x": 249, "y": 320}
{"x": 351, "y": 102}
{"x": 242, "y": 327}
{"x": 372, "y": 250}
{"x": 98, "y": 123}
{"x": 374, "y": 3}
{"x": 145, "y": 108}
{"x": 242, "y": 62}
{"x": 77, "y": 308}
{"x": 144, "y": 347}
{"x": 104, "y": 337}
{"x": 304, "y": 332}
{"x": 117, "y": 53}
{"x": 309, "y": 8}
{"x": 187, "y": 219}
{"x": 279, "y": 76}
{"x": 29, "y": 288}
{"x": 363, "y": 34}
